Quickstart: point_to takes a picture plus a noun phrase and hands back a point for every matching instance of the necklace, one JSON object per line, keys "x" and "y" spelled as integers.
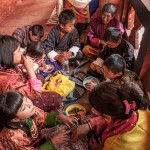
{"x": 34, "y": 131}
{"x": 32, "y": 126}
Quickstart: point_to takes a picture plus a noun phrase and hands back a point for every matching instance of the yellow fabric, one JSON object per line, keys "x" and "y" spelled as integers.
{"x": 136, "y": 139}
{"x": 59, "y": 84}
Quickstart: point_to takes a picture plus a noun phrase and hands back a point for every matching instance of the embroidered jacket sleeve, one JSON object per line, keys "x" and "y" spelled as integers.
{"x": 48, "y": 119}
{"x": 10, "y": 80}
{"x": 98, "y": 125}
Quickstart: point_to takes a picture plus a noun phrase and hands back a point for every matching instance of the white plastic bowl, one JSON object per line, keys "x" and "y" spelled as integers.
{"x": 79, "y": 3}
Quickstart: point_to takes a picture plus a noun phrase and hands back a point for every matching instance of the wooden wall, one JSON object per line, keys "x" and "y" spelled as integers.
{"x": 7, "y": 7}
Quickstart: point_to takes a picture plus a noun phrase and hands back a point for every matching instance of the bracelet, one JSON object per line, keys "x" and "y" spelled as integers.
{"x": 89, "y": 125}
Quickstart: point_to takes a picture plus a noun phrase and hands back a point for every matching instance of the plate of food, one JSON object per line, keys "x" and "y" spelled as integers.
{"x": 48, "y": 68}
{"x": 90, "y": 82}
{"x": 76, "y": 110}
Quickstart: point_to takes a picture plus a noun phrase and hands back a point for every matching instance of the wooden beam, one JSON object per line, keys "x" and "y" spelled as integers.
{"x": 144, "y": 16}
{"x": 141, "y": 11}
{"x": 142, "y": 51}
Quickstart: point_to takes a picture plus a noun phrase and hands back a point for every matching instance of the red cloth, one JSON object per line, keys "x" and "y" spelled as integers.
{"x": 95, "y": 42}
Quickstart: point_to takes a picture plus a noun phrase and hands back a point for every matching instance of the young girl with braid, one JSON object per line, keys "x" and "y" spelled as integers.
{"x": 124, "y": 119}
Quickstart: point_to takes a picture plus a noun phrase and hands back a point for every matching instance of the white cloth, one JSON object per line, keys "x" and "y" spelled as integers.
{"x": 51, "y": 55}
{"x": 79, "y": 3}
{"x": 74, "y": 49}
{"x": 98, "y": 62}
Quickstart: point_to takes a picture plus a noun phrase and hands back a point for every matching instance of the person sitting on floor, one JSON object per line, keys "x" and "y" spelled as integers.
{"x": 98, "y": 27}
{"x": 22, "y": 123}
{"x": 124, "y": 121}
{"x": 115, "y": 45}
{"x": 12, "y": 77}
{"x": 27, "y": 34}
{"x": 36, "y": 52}
{"x": 115, "y": 71}
{"x": 62, "y": 42}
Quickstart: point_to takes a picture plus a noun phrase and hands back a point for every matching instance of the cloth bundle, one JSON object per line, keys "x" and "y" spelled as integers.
{"x": 59, "y": 84}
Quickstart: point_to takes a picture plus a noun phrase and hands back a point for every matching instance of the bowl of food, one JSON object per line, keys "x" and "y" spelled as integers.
{"x": 90, "y": 82}
{"x": 76, "y": 110}
{"x": 48, "y": 68}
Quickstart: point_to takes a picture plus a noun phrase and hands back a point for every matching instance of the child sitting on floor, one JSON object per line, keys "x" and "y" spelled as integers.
{"x": 27, "y": 34}
{"x": 62, "y": 42}
{"x": 116, "y": 72}
{"x": 124, "y": 121}
{"x": 36, "y": 52}
{"x": 22, "y": 123}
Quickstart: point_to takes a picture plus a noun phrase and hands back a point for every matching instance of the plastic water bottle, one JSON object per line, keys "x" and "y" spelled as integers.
{"x": 65, "y": 66}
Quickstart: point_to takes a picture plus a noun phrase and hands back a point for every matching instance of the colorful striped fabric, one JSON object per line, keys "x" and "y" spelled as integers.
{"x": 49, "y": 101}
{"x": 82, "y": 14}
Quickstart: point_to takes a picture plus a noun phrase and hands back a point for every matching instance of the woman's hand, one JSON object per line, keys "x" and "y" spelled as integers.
{"x": 60, "y": 138}
{"x": 94, "y": 145}
{"x": 68, "y": 121}
{"x": 80, "y": 131}
{"x": 28, "y": 64}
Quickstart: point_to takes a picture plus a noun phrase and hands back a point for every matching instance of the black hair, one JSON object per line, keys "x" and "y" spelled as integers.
{"x": 35, "y": 49}
{"x": 112, "y": 34}
{"x": 110, "y": 8}
{"x": 37, "y": 30}
{"x": 8, "y": 46}
{"x": 10, "y": 102}
{"x": 107, "y": 98}
{"x": 66, "y": 16}
{"x": 115, "y": 63}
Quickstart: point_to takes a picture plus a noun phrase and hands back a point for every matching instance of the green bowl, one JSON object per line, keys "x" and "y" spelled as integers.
{"x": 90, "y": 78}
